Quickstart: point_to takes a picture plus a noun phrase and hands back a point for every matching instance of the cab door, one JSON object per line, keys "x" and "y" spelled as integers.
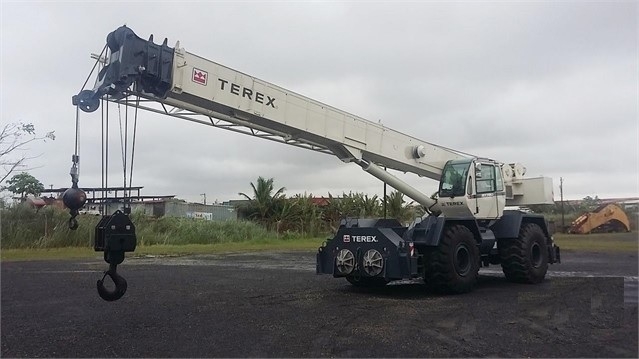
{"x": 500, "y": 193}
{"x": 485, "y": 191}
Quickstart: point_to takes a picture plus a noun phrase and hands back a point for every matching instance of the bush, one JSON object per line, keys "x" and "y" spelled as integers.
{"x": 173, "y": 230}
{"x": 24, "y": 227}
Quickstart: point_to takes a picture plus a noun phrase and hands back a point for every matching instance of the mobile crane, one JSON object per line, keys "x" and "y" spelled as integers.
{"x": 466, "y": 226}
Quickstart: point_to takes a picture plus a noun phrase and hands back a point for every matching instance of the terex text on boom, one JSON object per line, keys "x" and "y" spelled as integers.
{"x": 238, "y": 90}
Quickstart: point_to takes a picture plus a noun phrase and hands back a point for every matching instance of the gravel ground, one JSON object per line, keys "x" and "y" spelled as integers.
{"x": 273, "y": 305}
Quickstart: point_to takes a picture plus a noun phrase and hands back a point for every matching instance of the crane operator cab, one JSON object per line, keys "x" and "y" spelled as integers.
{"x": 472, "y": 188}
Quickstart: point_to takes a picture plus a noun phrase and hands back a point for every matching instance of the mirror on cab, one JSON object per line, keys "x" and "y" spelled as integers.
{"x": 477, "y": 170}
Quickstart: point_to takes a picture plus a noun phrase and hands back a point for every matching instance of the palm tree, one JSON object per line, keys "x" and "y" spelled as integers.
{"x": 369, "y": 206}
{"x": 309, "y": 215}
{"x": 284, "y": 213}
{"x": 262, "y": 203}
{"x": 396, "y": 208}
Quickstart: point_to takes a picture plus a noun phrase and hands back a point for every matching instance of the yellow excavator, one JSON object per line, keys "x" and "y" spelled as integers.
{"x": 606, "y": 218}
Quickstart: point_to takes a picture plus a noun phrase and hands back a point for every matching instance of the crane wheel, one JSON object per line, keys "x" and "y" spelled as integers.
{"x": 453, "y": 266}
{"x": 525, "y": 259}
{"x": 365, "y": 282}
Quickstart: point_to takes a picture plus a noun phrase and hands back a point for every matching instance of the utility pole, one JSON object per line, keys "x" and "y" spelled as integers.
{"x": 384, "y": 196}
{"x": 1, "y": 209}
{"x": 204, "y": 195}
{"x": 561, "y": 193}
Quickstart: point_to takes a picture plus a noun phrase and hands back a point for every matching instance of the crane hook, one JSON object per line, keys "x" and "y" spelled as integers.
{"x": 118, "y": 280}
{"x": 73, "y": 223}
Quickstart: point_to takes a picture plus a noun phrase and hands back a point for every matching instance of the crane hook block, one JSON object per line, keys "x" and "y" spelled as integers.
{"x": 115, "y": 234}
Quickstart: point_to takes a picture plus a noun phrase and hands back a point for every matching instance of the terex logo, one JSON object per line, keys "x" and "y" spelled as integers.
{"x": 245, "y": 92}
{"x": 444, "y": 204}
{"x": 368, "y": 239}
{"x": 200, "y": 76}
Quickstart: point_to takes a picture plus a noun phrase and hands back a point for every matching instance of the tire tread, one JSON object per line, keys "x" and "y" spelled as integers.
{"x": 514, "y": 260}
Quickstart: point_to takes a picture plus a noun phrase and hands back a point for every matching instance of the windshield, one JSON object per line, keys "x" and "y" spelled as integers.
{"x": 453, "y": 182}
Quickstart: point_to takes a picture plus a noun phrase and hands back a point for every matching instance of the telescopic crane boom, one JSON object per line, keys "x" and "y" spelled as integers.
{"x": 194, "y": 85}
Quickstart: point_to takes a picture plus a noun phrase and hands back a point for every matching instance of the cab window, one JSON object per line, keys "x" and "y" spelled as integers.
{"x": 486, "y": 183}
{"x": 499, "y": 180}
{"x": 453, "y": 181}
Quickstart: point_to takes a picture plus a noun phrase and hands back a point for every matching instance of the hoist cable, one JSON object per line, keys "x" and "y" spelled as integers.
{"x": 121, "y": 132}
{"x": 76, "y": 150}
{"x": 135, "y": 130}
{"x": 102, "y": 209}
{"x": 105, "y": 154}
{"x": 126, "y": 145}
{"x": 106, "y": 148}
{"x": 122, "y": 149}
{"x": 97, "y": 61}
{"x": 77, "y": 131}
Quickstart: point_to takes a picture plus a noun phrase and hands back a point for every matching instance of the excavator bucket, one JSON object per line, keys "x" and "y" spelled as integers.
{"x": 605, "y": 218}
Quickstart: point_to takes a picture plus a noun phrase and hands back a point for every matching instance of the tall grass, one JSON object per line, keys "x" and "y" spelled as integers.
{"x": 176, "y": 231}
{"x": 23, "y": 227}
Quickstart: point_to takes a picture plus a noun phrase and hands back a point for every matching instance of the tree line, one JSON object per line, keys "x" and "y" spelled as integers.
{"x": 300, "y": 213}
{"x": 587, "y": 204}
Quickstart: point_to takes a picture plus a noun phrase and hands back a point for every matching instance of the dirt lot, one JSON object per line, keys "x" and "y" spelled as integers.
{"x": 273, "y": 305}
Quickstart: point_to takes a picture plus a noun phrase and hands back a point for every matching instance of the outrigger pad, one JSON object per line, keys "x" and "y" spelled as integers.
{"x": 115, "y": 233}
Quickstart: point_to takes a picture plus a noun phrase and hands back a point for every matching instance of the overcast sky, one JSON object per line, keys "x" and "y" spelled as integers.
{"x": 553, "y": 85}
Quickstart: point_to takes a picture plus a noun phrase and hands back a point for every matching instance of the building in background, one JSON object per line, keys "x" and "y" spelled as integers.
{"x": 178, "y": 208}
{"x": 108, "y": 200}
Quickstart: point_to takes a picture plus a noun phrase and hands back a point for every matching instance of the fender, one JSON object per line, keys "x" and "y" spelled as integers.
{"x": 511, "y": 221}
{"x": 430, "y": 229}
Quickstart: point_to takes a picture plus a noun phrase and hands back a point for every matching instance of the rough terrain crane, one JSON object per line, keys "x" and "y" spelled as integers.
{"x": 466, "y": 226}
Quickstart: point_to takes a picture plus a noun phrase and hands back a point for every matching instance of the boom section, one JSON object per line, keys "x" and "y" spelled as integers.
{"x": 198, "y": 85}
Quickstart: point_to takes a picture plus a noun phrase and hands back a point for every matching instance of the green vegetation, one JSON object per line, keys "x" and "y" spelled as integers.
{"x": 302, "y": 244}
{"x": 19, "y": 254}
{"x": 24, "y": 227}
{"x": 603, "y": 242}
{"x": 44, "y": 234}
{"x": 299, "y": 214}
{"x": 273, "y": 222}
{"x": 24, "y": 184}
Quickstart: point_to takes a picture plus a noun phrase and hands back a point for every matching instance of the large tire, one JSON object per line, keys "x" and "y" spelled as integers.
{"x": 453, "y": 266}
{"x": 525, "y": 259}
{"x": 366, "y": 282}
